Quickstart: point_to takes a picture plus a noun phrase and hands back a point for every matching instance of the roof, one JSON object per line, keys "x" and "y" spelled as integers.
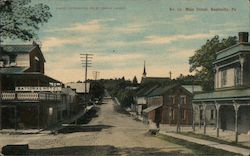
{"x": 165, "y": 88}
{"x": 243, "y": 47}
{"x": 80, "y": 87}
{"x": 192, "y": 88}
{"x": 223, "y": 95}
{"x": 151, "y": 108}
{"x": 31, "y": 75}
{"x": 18, "y": 48}
{"x": 9, "y": 70}
{"x": 155, "y": 79}
{"x": 145, "y": 90}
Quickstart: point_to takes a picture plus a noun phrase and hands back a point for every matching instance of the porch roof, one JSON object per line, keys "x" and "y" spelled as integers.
{"x": 31, "y": 75}
{"x": 224, "y": 95}
{"x": 151, "y": 108}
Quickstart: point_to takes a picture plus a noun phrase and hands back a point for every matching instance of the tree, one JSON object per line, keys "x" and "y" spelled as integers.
{"x": 20, "y": 20}
{"x": 135, "y": 82}
{"x": 96, "y": 90}
{"x": 202, "y": 61}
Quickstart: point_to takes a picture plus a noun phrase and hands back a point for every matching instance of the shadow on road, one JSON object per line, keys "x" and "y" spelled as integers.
{"x": 82, "y": 128}
{"x": 102, "y": 150}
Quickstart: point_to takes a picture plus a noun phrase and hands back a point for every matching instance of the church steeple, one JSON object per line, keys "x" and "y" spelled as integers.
{"x": 144, "y": 71}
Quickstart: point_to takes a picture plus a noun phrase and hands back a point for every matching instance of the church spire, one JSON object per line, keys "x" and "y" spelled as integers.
{"x": 144, "y": 71}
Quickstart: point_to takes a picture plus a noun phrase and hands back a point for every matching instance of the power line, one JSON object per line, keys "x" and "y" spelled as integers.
{"x": 86, "y": 62}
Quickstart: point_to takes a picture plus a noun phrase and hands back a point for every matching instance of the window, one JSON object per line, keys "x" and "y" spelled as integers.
{"x": 171, "y": 114}
{"x": 223, "y": 78}
{"x": 237, "y": 76}
{"x": 183, "y": 100}
{"x": 212, "y": 114}
{"x": 171, "y": 100}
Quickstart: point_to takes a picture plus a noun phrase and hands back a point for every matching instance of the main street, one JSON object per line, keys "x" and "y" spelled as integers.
{"x": 121, "y": 135}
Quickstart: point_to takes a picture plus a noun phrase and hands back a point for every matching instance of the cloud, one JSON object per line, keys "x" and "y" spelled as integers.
{"x": 117, "y": 57}
{"x": 185, "y": 18}
{"x": 172, "y": 38}
{"x": 52, "y": 42}
{"x": 92, "y": 26}
{"x": 130, "y": 28}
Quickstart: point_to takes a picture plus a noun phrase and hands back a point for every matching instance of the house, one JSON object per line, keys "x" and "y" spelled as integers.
{"x": 229, "y": 104}
{"x": 28, "y": 98}
{"x": 141, "y": 98}
{"x": 169, "y": 104}
{"x": 21, "y": 58}
{"x": 82, "y": 90}
{"x": 70, "y": 103}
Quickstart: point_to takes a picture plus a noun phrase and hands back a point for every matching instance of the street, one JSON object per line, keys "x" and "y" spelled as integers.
{"x": 121, "y": 135}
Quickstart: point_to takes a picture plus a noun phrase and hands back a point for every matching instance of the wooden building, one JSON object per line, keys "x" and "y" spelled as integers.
{"x": 28, "y": 98}
{"x": 169, "y": 104}
{"x": 231, "y": 98}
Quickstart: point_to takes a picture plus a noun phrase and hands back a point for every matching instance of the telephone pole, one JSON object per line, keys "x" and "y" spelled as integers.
{"x": 96, "y": 74}
{"x": 86, "y": 62}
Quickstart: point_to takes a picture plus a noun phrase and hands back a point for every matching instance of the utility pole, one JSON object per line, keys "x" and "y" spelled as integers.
{"x": 86, "y": 62}
{"x": 170, "y": 75}
{"x": 96, "y": 74}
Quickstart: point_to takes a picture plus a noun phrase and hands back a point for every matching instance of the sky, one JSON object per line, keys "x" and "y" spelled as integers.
{"x": 121, "y": 34}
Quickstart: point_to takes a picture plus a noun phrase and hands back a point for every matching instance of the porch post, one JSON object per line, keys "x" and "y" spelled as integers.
{"x": 217, "y": 106}
{"x": 38, "y": 116}
{"x": 169, "y": 115}
{"x": 193, "y": 117}
{"x": 200, "y": 116}
{"x": 0, "y": 117}
{"x": 204, "y": 114}
{"x": 15, "y": 112}
{"x": 236, "y": 108}
{"x": 241, "y": 69}
{"x": 178, "y": 120}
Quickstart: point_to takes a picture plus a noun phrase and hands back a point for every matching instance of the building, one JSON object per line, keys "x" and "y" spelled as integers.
{"x": 28, "y": 98}
{"x": 169, "y": 104}
{"x": 229, "y": 104}
{"x": 82, "y": 90}
{"x": 141, "y": 98}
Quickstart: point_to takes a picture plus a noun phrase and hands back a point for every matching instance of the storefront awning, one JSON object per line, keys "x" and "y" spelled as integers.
{"x": 151, "y": 108}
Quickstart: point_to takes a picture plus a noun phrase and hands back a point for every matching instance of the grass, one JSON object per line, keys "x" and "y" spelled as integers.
{"x": 196, "y": 148}
{"x": 206, "y": 137}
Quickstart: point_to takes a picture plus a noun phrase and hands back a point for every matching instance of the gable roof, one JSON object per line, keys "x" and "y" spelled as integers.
{"x": 17, "y": 49}
{"x": 145, "y": 90}
{"x": 165, "y": 88}
{"x": 155, "y": 79}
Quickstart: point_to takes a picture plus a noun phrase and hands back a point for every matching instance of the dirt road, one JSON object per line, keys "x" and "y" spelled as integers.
{"x": 121, "y": 135}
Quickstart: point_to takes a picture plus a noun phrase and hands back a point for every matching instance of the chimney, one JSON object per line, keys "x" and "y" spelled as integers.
{"x": 243, "y": 37}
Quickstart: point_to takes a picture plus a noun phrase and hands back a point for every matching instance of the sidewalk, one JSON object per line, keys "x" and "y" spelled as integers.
{"x": 212, "y": 144}
{"x": 244, "y": 139}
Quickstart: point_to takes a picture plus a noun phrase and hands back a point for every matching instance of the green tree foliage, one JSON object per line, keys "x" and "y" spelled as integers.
{"x": 135, "y": 82}
{"x": 20, "y": 20}
{"x": 96, "y": 90}
{"x": 120, "y": 88}
{"x": 202, "y": 61}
